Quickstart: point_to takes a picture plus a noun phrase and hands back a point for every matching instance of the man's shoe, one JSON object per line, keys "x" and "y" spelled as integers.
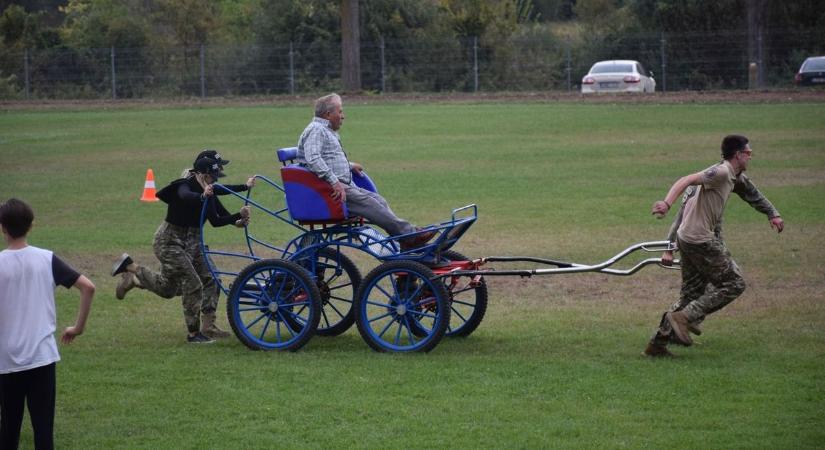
{"x": 199, "y": 338}
{"x": 121, "y": 264}
{"x": 657, "y": 351}
{"x": 209, "y": 329}
{"x": 694, "y": 328}
{"x": 679, "y": 324}
{"x": 417, "y": 240}
{"x": 127, "y": 283}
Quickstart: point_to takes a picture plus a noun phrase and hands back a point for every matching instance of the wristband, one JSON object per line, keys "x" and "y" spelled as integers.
{"x": 666, "y": 203}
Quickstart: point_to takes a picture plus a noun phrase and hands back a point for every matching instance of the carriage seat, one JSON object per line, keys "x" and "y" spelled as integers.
{"x": 308, "y": 197}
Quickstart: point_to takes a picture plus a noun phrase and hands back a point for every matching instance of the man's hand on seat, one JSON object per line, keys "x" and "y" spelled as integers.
{"x": 357, "y": 168}
{"x": 339, "y": 192}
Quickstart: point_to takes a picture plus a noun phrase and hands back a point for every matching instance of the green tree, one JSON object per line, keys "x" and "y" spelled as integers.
{"x": 401, "y": 19}
{"x": 21, "y": 29}
{"x": 479, "y": 18}
{"x": 235, "y": 18}
{"x": 191, "y": 22}
{"x": 676, "y": 16}
{"x": 105, "y": 23}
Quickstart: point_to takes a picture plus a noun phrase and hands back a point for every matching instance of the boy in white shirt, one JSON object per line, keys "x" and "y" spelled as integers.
{"x": 28, "y": 350}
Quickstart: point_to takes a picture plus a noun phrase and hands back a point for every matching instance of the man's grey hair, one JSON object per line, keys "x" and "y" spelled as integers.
{"x": 326, "y": 104}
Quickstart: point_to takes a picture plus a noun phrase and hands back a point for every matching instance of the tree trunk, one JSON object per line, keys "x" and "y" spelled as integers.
{"x": 350, "y": 46}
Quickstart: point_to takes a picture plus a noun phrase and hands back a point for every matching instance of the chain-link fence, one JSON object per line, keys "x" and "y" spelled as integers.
{"x": 527, "y": 61}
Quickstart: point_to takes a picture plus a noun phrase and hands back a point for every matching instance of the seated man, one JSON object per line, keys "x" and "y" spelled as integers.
{"x": 320, "y": 151}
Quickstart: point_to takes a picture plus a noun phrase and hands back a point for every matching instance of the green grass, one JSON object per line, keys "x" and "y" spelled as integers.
{"x": 556, "y": 361}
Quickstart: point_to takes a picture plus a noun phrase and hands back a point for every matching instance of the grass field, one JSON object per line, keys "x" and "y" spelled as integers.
{"x": 556, "y": 362}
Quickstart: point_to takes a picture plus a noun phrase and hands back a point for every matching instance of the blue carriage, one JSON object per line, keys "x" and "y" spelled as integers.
{"x": 285, "y": 294}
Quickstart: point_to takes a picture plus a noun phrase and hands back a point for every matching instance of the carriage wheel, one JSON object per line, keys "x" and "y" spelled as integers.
{"x": 274, "y": 305}
{"x": 409, "y": 316}
{"x": 337, "y": 278}
{"x": 467, "y": 303}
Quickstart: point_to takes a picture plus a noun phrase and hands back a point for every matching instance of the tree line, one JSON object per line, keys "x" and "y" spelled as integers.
{"x": 780, "y": 34}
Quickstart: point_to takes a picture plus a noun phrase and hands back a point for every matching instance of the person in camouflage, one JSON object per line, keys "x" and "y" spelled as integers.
{"x": 711, "y": 279}
{"x": 177, "y": 246}
{"x": 748, "y": 192}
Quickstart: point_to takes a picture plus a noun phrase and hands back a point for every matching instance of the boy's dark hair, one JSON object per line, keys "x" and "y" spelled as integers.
{"x": 16, "y": 216}
{"x": 731, "y": 144}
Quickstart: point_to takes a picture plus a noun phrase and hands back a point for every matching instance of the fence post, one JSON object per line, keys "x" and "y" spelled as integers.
{"x": 664, "y": 63}
{"x": 203, "y": 73}
{"x": 26, "y": 71}
{"x": 291, "y": 71}
{"x": 383, "y": 72}
{"x": 114, "y": 81}
{"x": 569, "y": 68}
{"x": 760, "y": 74}
{"x": 475, "y": 64}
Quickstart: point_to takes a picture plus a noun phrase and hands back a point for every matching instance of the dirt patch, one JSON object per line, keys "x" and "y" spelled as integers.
{"x": 681, "y": 97}
{"x": 651, "y": 290}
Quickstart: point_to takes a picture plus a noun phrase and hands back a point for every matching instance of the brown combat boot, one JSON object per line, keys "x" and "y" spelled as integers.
{"x": 657, "y": 351}
{"x": 127, "y": 282}
{"x": 679, "y": 323}
{"x": 209, "y": 329}
{"x": 694, "y": 328}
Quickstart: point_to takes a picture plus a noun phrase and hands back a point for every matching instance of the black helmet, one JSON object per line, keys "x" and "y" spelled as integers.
{"x": 212, "y": 154}
{"x": 209, "y": 166}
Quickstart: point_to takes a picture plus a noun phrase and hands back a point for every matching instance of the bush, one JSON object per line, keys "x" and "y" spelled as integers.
{"x": 9, "y": 88}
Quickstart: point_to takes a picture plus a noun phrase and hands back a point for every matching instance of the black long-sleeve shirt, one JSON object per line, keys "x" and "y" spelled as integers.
{"x": 184, "y": 203}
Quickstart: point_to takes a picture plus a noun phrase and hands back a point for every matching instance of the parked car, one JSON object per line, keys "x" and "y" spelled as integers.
{"x": 618, "y": 76}
{"x": 812, "y": 72}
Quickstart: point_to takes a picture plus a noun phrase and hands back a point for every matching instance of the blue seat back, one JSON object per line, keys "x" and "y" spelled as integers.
{"x": 289, "y": 154}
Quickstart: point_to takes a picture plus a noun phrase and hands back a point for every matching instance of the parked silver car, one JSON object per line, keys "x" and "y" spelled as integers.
{"x": 619, "y": 75}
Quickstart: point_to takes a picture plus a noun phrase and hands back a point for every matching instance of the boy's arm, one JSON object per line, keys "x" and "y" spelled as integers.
{"x": 667, "y": 255}
{"x": 749, "y": 193}
{"x": 661, "y": 207}
{"x": 87, "y": 293}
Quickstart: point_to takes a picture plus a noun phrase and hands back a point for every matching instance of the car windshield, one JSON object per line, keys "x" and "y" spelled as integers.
{"x": 814, "y": 64}
{"x": 612, "y": 68}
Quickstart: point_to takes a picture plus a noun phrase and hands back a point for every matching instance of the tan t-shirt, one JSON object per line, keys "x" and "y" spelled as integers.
{"x": 704, "y": 210}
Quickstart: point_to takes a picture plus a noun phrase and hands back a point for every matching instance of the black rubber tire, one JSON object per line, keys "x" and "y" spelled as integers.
{"x": 466, "y": 313}
{"x": 379, "y": 306}
{"x": 255, "y": 282}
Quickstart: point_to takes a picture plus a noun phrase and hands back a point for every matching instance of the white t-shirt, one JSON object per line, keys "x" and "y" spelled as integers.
{"x": 28, "y": 277}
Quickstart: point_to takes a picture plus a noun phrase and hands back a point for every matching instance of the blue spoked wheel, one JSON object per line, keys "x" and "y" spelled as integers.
{"x": 399, "y": 308}
{"x": 468, "y": 300}
{"x": 337, "y": 278}
{"x": 274, "y": 305}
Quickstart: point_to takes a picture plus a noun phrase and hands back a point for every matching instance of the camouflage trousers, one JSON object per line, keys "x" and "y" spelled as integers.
{"x": 710, "y": 280}
{"x": 183, "y": 271}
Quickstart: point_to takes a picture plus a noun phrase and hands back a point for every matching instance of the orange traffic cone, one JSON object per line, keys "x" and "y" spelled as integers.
{"x": 149, "y": 188}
